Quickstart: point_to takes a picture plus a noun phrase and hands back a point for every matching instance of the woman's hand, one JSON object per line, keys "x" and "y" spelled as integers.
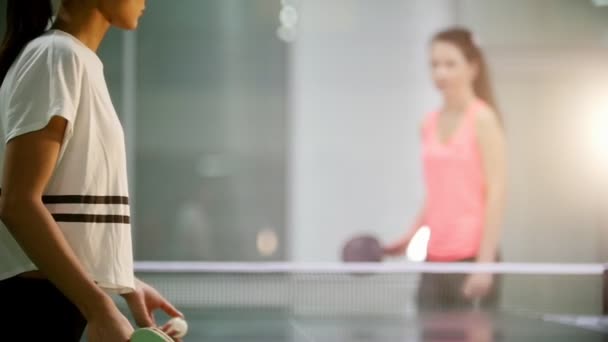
{"x": 107, "y": 324}
{"x": 477, "y": 285}
{"x": 144, "y": 301}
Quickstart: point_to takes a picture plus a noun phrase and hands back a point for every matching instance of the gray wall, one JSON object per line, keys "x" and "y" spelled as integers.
{"x": 210, "y": 133}
{"x": 359, "y": 87}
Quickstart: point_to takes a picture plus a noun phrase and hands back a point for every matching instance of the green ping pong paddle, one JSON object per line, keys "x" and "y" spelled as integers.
{"x": 150, "y": 335}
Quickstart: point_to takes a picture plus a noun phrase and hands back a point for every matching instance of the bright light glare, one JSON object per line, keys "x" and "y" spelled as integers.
{"x": 416, "y": 251}
{"x": 597, "y": 131}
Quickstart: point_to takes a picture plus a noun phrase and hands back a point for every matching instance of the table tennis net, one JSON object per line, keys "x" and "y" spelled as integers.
{"x": 334, "y": 289}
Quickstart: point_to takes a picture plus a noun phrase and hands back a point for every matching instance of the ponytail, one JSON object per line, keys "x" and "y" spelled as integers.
{"x": 25, "y": 21}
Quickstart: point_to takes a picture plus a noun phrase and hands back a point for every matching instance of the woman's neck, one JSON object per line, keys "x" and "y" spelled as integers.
{"x": 84, "y": 22}
{"x": 458, "y": 102}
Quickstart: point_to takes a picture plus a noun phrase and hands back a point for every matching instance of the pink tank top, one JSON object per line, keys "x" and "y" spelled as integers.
{"x": 455, "y": 187}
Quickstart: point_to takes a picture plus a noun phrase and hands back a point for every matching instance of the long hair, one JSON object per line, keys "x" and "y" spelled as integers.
{"x": 465, "y": 41}
{"x": 25, "y": 21}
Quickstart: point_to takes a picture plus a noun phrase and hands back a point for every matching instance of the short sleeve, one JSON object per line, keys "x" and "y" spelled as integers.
{"x": 47, "y": 83}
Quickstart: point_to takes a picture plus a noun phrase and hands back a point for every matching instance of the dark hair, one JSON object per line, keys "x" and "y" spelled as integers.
{"x": 466, "y": 42}
{"x": 25, "y": 20}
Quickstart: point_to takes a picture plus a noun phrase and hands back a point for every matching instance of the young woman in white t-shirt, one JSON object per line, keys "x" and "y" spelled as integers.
{"x": 65, "y": 237}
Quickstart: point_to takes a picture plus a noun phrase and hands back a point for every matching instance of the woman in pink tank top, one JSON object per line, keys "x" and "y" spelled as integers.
{"x": 464, "y": 168}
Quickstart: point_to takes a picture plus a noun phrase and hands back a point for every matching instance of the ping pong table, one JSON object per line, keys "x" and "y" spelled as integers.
{"x": 265, "y": 326}
{"x": 281, "y": 303}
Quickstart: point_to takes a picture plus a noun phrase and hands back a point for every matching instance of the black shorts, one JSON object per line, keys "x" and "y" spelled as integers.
{"x": 34, "y": 309}
{"x": 443, "y": 292}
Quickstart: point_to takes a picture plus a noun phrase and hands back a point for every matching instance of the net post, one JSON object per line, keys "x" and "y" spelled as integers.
{"x": 605, "y": 291}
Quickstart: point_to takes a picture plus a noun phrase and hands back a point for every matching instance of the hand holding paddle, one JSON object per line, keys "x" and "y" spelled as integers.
{"x": 397, "y": 248}
{"x": 174, "y": 329}
{"x": 143, "y": 302}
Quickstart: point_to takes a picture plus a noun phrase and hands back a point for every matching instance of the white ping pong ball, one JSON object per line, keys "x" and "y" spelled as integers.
{"x": 179, "y": 326}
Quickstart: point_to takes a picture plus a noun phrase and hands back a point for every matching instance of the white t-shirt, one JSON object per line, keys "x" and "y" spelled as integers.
{"x": 57, "y": 75}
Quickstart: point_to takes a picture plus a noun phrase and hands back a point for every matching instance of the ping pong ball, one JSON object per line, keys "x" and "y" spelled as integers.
{"x": 179, "y": 326}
